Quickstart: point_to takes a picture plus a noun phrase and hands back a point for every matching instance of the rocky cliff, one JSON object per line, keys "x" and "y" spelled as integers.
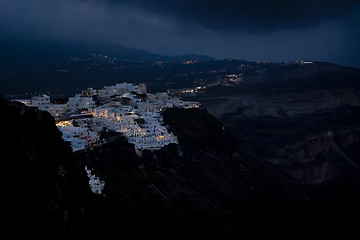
{"x": 44, "y": 190}
{"x": 305, "y": 132}
{"x": 310, "y": 148}
{"x": 309, "y": 135}
{"x": 223, "y": 102}
{"x": 200, "y": 188}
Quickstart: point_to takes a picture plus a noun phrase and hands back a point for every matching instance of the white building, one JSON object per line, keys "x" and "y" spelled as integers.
{"x": 95, "y": 184}
{"x": 127, "y": 86}
{"x": 151, "y": 134}
{"x": 89, "y": 92}
{"x": 191, "y": 104}
{"x": 41, "y": 102}
{"x": 79, "y": 137}
{"x": 103, "y": 92}
{"x": 178, "y": 102}
{"x": 57, "y": 109}
{"x": 118, "y": 89}
{"x": 142, "y": 88}
{"x": 77, "y": 103}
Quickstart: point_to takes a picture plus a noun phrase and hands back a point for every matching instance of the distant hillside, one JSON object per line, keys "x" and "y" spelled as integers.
{"x": 309, "y": 75}
{"x": 17, "y": 54}
{"x": 65, "y": 68}
{"x": 29, "y": 66}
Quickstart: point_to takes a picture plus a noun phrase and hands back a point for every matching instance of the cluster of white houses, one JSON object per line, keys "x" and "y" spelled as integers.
{"x": 95, "y": 184}
{"x": 125, "y": 108}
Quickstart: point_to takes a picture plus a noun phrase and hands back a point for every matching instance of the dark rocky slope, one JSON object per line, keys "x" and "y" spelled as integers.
{"x": 311, "y": 135}
{"x": 311, "y": 148}
{"x": 202, "y": 188}
{"x": 44, "y": 190}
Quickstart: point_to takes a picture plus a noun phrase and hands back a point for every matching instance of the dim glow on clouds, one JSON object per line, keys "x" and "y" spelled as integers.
{"x": 168, "y": 30}
{"x": 72, "y": 19}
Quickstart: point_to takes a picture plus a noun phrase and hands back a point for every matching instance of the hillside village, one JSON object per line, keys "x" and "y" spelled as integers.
{"x": 122, "y": 108}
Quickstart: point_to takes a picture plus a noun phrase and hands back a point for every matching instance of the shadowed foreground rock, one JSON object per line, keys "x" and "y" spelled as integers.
{"x": 44, "y": 189}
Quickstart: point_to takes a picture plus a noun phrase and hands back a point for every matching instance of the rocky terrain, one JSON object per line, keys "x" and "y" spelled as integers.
{"x": 309, "y": 148}
{"x": 202, "y": 188}
{"x": 45, "y": 191}
{"x": 274, "y": 102}
{"x": 301, "y": 131}
{"x": 292, "y": 116}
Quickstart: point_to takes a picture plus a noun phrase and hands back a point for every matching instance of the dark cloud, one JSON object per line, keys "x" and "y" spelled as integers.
{"x": 250, "y": 15}
{"x": 262, "y": 30}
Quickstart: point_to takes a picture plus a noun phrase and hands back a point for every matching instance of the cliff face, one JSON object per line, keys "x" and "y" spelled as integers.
{"x": 309, "y": 133}
{"x": 200, "y": 188}
{"x": 214, "y": 185}
{"x": 276, "y": 102}
{"x": 311, "y": 148}
{"x": 318, "y": 158}
{"x": 312, "y": 137}
{"x": 44, "y": 189}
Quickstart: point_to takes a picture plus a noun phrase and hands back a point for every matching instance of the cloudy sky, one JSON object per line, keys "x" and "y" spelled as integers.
{"x": 264, "y": 30}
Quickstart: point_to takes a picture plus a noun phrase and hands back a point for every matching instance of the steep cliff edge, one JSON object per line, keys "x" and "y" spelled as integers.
{"x": 309, "y": 133}
{"x": 44, "y": 190}
{"x": 311, "y": 148}
{"x": 201, "y": 188}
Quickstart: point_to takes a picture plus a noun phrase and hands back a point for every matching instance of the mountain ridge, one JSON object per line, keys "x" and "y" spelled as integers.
{"x": 47, "y": 52}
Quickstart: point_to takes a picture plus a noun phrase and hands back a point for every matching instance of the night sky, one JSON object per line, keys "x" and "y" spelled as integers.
{"x": 256, "y": 30}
